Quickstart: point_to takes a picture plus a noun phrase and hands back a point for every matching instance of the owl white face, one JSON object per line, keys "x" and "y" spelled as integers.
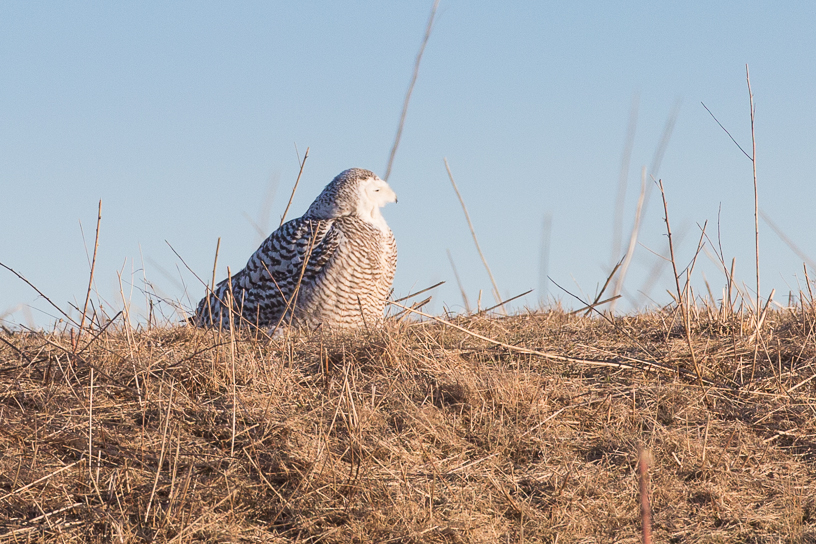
{"x": 374, "y": 193}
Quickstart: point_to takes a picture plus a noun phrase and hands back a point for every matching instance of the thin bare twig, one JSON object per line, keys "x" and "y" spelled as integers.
{"x": 90, "y": 424}
{"x": 98, "y": 334}
{"x": 496, "y": 294}
{"x": 411, "y": 89}
{"x": 415, "y": 306}
{"x": 57, "y": 308}
{"x": 459, "y": 282}
{"x": 297, "y": 181}
{"x": 690, "y": 268}
{"x": 596, "y": 302}
{"x": 588, "y": 308}
{"x": 726, "y": 131}
{"x": 505, "y": 301}
{"x": 762, "y": 315}
{"x": 90, "y": 280}
{"x": 292, "y": 302}
{"x": 18, "y": 350}
{"x": 756, "y": 194}
{"x": 412, "y": 295}
{"x": 241, "y": 318}
{"x": 211, "y": 290}
{"x": 656, "y": 271}
{"x": 232, "y": 368}
{"x": 683, "y": 306}
{"x": 608, "y": 319}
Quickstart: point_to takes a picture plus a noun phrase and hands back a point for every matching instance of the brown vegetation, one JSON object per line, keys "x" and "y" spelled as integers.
{"x": 416, "y": 432}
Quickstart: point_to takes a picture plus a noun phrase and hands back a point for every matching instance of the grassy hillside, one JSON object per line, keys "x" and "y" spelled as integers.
{"x": 416, "y": 432}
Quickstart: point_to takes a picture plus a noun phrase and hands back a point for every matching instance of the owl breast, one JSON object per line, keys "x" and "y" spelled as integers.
{"x": 352, "y": 288}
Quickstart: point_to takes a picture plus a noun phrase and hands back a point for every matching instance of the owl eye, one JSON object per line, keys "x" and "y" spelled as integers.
{"x": 376, "y": 190}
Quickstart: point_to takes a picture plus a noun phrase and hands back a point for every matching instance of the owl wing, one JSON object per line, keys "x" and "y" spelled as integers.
{"x": 265, "y": 288}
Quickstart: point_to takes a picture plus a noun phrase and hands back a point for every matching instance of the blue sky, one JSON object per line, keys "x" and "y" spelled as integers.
{"x": 183, "y": 118}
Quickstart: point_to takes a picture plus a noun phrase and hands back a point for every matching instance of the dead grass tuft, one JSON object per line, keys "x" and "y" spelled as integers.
{"x": 417, "y": 432}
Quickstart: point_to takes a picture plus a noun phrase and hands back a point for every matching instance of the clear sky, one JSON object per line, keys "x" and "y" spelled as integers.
{"x": 183, "y": 118}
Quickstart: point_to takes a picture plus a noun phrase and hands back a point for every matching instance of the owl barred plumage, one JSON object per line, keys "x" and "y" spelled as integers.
{"x": 333, "y": 267}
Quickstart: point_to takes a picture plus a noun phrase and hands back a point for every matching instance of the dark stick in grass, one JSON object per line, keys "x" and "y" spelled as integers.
{"x": 645, "y": 507}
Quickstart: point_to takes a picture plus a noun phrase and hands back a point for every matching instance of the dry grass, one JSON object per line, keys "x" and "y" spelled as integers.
{"x": 416, "y": 432}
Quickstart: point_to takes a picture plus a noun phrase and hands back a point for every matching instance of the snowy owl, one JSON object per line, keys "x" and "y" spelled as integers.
{"x": 333, "y": 267}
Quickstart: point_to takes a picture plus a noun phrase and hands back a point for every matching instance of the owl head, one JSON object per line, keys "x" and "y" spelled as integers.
{"x": 354, "y": 192}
